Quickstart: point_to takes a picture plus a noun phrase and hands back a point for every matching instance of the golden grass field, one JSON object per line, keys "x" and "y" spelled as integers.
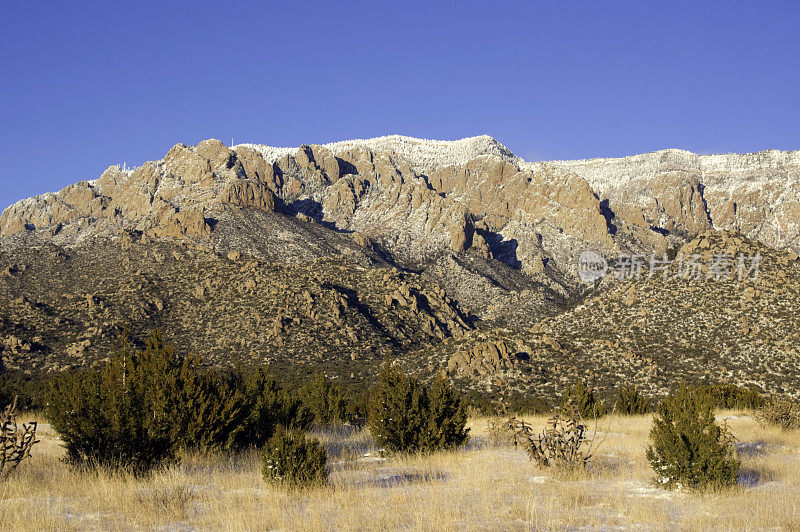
{"x": 488, "y": 485}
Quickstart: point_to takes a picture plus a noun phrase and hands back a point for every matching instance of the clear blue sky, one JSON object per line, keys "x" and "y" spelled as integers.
{"x": 90, "y": 84}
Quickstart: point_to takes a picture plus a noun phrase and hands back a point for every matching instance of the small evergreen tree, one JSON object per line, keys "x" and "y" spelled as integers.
{"x": 214, "y": 409}
{"x": 447, "y": 417}
{"x": 268, "y": 407}
{"x": 630, "y": 402}
{"x": 29, "y": 390}
{"x": 140, "y": 408}
{"x": 397, "y": 411}
{"x": 405, "y": 416}
{"x": 688, "y": 447}
{"x": 294, "y": 460}
{"x": 326, "y": 400}
{"x": 580, "y": 400}
{"x": 121, "y": 415}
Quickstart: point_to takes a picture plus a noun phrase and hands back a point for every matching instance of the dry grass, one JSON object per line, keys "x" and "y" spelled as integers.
{"x": 485, "y": 486}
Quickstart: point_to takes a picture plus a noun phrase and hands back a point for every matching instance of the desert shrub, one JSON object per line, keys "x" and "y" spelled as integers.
{"x": 327, "y": 401}
{"x": 481, "y": 403}
{"x": 688, "y": 448}
{"x": 728, "y": 395}
{"x": 123, "y": 414}
{"x": 579, "y": 401}
{"x": 405, "y": 416}
{"x": 523, "y": 404}
{"x": 497, "y": 429}
{"x": 630, "y": 402}
{"x": 781, "y": 412}
{"x": 293, "y": 460}
{"x": 15, "y": 442}
{"x": 563, "y": 444}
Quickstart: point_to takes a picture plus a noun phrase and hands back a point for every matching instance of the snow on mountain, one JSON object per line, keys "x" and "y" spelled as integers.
{"x": 751, "y": 170}
{"x": 603, "y": 173}
{"x": 422, "y": 154}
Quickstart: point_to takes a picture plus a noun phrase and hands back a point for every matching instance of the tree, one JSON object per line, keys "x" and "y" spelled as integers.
{"x": 139, "y": 409}
{"x": 447, "y": 417}
{"x": 630, "y": 402}
{"x": 579, "y": 400}
{"x": 688, "y": 447}
{"x": 405, "y": 416}
{"x": 121, "y": 415}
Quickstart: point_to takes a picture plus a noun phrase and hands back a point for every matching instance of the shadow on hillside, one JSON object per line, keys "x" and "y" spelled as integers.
{"x": 502, "y": 250}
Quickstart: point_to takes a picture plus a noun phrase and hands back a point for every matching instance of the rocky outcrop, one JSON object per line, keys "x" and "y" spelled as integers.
{"x": 485, "y": 359}
{"x": 172, "y": 198}
{"x": 757, "y": 194}
{"x": 61, "y": 310}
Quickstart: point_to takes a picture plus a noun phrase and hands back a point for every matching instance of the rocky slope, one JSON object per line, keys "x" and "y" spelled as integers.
{"x": 342, "y": 253}
{"x": 64, "y": 307}
{"x": 653, "y": 332}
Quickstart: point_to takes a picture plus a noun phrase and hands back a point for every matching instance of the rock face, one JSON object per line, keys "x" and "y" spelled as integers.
{"x": 420, "y": 200}
{"x": 177, "y": 197}
{"x": 485, "y": 359}
{"x": 757, "y": 194}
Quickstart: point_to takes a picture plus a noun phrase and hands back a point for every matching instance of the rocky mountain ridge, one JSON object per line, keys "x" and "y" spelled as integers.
{"x": 443, "y": 253}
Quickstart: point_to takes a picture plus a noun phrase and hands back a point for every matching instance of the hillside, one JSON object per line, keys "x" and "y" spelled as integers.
{"x": 653, "y": 332}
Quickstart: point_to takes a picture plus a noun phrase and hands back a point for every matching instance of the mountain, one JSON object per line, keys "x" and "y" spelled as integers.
{"x": 341, "y": 254}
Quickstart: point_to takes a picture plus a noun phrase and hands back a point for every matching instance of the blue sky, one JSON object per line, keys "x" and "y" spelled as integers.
{"x": 90, "y": 84}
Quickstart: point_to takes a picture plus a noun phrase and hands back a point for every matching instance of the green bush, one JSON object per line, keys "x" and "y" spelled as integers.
{"x": 214, "y": 410}
{"x": 483, "y": 404}
{"x": 142, "y": 407}
{"x": 630, "y": 402}
{"x": 781, "y": 412}
{"x": 294, "y": 460}
{"x": 579, "y": 400}
{"x": 121, "y": 415}
{"x": 727, "y": 395}
{"x": 447, "y": 417}
{"x": 405, "y": 416}
{"x": 326, "y": 400}
{"x": 688, "y": 448}
{"x": 28, "y": 389}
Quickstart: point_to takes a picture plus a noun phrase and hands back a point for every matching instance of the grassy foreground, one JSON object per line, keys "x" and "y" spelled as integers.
{"x": 487, "y": 485}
